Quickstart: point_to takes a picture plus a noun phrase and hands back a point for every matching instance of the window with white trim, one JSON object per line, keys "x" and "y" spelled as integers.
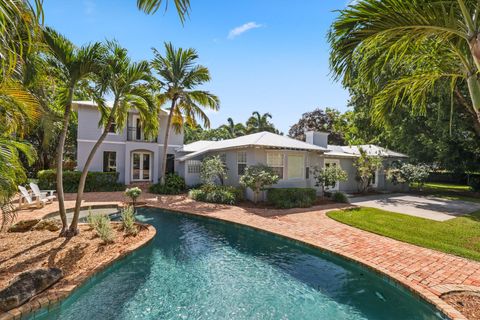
{"x": 275, "y": 160}
{"x": 241, "y": 162}
{"x": 193, "y": 166}
{"x": 113, "y": 128}
{"x": 109, "y": 161}
{"x": 295, "y": 166}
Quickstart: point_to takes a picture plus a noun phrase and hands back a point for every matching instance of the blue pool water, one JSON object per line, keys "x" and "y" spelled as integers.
{"x": 202, "y": 269}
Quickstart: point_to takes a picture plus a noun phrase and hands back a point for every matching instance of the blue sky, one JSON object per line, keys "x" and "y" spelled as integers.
{"x": 264, "y": 55}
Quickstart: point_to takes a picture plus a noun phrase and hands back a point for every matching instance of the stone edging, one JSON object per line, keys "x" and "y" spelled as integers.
{"x": 416, "y": 289}
{"x": 57, "y": 295}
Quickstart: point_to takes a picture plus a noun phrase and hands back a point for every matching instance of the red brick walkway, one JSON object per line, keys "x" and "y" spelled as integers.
{"x": 428, "y": 272}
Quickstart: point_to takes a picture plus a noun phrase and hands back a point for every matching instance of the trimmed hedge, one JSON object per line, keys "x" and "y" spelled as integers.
{"x": 474, "y": 184}
{"x": 340, "y": 197}
{"x": 217, "y": 194}
{"x": 174, "y": 184}
{"x": 451, "y": 177}
{"x": 284, "y": 198}
{"x": 96, "y": 181}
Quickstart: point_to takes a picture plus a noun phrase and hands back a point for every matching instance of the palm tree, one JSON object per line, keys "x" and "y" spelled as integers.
{"x": 19, "y": 26}
{"x": 179, "y": 76}
{"x": 260, "y": 122}
{"x": 18, "y": 110}
{"x": 73, "y": 65}
{"x": 233, "y": 129}
{"x": 127, "y": 82}
{"x": 152, "y": 6}
{"x": 403, "y": 51}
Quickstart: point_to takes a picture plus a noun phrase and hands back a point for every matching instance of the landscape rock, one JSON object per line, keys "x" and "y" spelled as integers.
{"x": 23, "y": 226}
{"x": 27, "y": 285}
{"x": 48, "y": 224}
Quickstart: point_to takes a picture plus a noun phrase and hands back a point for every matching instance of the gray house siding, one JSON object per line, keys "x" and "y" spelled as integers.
{"x": 84, "y": 148}
{"x": 89, "y": 132}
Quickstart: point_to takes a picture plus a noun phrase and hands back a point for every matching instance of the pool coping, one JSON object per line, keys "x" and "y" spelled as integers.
{"x": 421, "y": 292}
{"x": 56, "y": 296}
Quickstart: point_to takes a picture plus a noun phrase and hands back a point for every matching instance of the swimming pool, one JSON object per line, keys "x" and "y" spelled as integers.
{"x": 196, "y": 268}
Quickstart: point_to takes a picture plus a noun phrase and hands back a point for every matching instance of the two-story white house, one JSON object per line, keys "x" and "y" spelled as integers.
{"x": 128, "y": 152}
{"x": 137, "y": 159}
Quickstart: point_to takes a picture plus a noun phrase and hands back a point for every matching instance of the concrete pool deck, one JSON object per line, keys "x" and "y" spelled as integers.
{"x": 427, "y": 272}
{"x": 428, "y": 207}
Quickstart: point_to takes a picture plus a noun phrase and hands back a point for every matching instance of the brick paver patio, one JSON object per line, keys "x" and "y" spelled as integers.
{"x": 427, "y": 272}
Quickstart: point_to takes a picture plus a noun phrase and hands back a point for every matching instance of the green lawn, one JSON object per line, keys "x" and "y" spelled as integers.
{"x": 459, "y": 236}
{"x": 437, "y": 186}
{"x": 448, "y": 191}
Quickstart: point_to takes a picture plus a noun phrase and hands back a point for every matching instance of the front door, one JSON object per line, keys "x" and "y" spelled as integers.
{"x": 141, "y": 166}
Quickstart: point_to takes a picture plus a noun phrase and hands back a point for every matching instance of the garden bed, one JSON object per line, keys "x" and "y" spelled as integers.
{"x": 79, "y": 257}
{"x": 468, "y": 303}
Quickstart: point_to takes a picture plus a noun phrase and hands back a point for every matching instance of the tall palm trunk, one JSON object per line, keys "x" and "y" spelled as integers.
{"x": 73, "y": 229}
{"x": 60, "y": 150}
{"x": 165, "y": 143}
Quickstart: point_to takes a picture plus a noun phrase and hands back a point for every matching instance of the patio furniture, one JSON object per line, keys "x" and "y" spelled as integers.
{"x": 27, "y": 200}
{"x": 42, "y": 194}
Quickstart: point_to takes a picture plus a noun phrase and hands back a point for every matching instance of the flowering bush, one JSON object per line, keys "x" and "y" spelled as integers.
{"x": 258, "y": 178}
{"x": 133, "y": 193}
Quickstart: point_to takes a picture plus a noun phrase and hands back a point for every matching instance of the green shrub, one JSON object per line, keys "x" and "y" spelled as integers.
{"x": 102, "y": 226}
{"x": 174, "y": 184}
{"x": 340, "y": 197}
{"x": 217, "y": 194}
{"x": 96, "y": 181}
{"x": 285, "y": 198}
{"x": 474, "y": 183}
{"x": 128, "y": 221}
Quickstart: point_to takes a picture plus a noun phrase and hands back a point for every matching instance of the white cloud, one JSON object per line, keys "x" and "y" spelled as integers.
{"x": 243, "y": 28}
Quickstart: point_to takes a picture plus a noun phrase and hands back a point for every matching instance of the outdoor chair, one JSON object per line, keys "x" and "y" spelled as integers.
{"x": 42, "y": 194}
{"x": 27, "y": 200}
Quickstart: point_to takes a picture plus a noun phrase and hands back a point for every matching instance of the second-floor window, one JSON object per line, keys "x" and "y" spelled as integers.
{"x": 113, "y": 128}
{"x": 109, "y": 161}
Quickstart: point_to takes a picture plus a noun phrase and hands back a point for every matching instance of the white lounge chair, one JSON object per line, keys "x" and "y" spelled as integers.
{"x": 26, "y": 200}
{"x": 42, "y": 194}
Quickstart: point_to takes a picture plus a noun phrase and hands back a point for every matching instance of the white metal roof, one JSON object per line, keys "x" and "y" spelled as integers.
{"x": 196, "y": 146}
{"x": 93, "y": 104}
{"x": 354, "y": 151}
{"x": 262, "y": 139}
{"x": 90, "y": 103}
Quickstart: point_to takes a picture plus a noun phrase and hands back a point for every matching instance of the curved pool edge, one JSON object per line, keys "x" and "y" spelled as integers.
{"x": 419, "y": 291}
{"x": 57, "y": 296}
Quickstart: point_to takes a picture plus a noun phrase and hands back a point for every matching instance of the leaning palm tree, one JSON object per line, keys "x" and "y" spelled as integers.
{"x": 234, "y": 129}
{"x": 72, "y": 65}
{"x": 127, "y": 82}
{"x": 402, "y": 51}
{"x": 260, "y": 122}
{"x": 179, "y": 76}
